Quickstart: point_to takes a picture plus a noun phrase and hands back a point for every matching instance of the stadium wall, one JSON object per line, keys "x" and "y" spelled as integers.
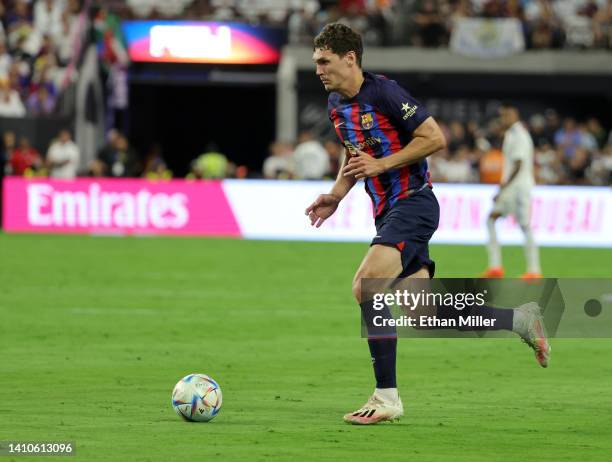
{"x": 256, "y": 209}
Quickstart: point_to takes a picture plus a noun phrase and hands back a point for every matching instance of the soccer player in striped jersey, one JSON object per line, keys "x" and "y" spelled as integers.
{"x": 387, "y": 135}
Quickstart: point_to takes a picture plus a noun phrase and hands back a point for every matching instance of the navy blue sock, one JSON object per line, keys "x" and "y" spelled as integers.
{"x": 383, "y": 352}
{"x": 383, "y": 345}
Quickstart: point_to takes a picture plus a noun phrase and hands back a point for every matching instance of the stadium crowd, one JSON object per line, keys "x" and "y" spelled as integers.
{"x": 37, "y": 43}
{"x": 38, "y": 39}
{"x": 566, "y": 152}
{"x": 429, "y": 23}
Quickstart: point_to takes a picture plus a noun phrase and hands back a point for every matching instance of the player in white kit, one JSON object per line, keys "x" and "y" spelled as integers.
{"x": 514, "y": 195}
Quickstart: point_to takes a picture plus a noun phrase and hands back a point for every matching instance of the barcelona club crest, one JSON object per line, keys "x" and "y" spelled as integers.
{"x": 367, "y": 121}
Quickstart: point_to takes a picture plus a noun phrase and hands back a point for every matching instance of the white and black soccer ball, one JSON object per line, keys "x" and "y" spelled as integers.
{"x": 197, "y": 398}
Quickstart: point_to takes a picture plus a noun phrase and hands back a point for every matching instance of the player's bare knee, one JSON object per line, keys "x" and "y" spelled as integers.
{"x": 357, "y": 285}
{"x": 357, "y": 289}
{"x": 363, "y": 273}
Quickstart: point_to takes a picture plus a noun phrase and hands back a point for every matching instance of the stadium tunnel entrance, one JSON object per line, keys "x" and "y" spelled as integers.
{"x": 183, "y": 118}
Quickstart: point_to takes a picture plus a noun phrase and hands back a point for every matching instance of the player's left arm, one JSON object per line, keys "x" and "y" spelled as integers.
{"x": 427, "y": 138}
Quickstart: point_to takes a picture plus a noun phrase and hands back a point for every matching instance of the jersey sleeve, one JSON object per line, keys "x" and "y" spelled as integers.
{"x": 400, "y": 106}
{"x": 332, "y": 115}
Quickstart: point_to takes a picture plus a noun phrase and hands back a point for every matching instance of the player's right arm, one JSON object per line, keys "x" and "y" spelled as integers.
{"x": 326, "y": 204}
{"x": 516, "y": 152}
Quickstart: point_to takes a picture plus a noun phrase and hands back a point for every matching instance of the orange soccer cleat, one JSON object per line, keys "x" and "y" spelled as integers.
{"x": 493, "y": 273}
{"x": 531, "y": 276}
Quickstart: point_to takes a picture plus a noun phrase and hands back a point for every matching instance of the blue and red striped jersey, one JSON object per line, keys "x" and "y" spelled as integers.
{"x": 380, "y": 120}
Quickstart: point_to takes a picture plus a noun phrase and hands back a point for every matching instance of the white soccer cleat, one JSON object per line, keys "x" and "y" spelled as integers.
{"x": 376, "y": 410}
{"x": 534, "y": 333}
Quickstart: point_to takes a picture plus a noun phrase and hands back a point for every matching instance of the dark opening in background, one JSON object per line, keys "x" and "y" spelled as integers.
{"x": 184, "y": 119}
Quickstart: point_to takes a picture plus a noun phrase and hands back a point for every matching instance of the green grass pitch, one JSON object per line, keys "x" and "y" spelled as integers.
{"x": 95, "y": 332}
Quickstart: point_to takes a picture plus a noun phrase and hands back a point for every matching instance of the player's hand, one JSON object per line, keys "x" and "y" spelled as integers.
{"x": 362, "y": 165}
{"x": 322, "y": 208}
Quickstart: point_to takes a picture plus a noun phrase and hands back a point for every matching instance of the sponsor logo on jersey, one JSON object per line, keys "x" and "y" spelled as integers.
{"x": 369, "y": 142}
{"x": 409, "y": 111}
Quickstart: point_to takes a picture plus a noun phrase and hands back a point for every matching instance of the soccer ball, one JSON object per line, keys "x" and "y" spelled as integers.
{"x": 197, "y": 398}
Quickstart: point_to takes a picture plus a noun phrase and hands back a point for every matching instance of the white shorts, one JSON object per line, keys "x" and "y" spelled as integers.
{"x": 516, "y": 202}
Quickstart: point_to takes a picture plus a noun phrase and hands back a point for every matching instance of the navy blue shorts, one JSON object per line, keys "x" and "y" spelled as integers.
{"x": 408, "y": 226}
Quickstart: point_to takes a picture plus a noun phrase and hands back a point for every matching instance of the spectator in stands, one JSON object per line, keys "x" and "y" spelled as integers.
{"x": 65, "y": 36}
{"x": 602, "y": 26}
{"x": 10, "y": 102}
{"x": 117, "y": 159}
{"x": 600, "y": 170}
{"x": 211, "y": 164}
{"x": 47, "y": 16}
{"x": 587, "y": 139}
{"x": 541, "y": 25}
{"x": 63, "y": 157}
{"x": 224, "y": 10}
{"x": 458, "y": 169}
{"x": 41, "y": 103}
{"x": 154, "y": 165}
{"x": 472, "y": 133}
{"x": 352, "y": 13}
{"x": 430, "y": 28}
{"x": 5, "y": 61}
{"x": 577, "y": 166}
{"x": 97, "y": 166}
{"x": 494, "y": 9}
{"x": 19, "y": 14}
{"x": 311, "y": 161}
{"x": 46, "y": 73}
{"x": 568, "y": 138}
{"x": 25, "y": 160}
{"x": 279, "y": 164}
{"x": 302, "y": 23}
{"x": 537, "y": 129}
{"x": 577, "y": 23}
{"x": 553, "y": 124}
{"x": 495, "y": 132}
{"x": 19, "y": 76}
{"x": 437, "y": 166}
{"x": 458, "y": 136}
{"x": 19, "y": 29}
{"x": 544, "y": 34}
{"x": 594, "y": 127}
{"x": 548, "y": 165}
{"x": 8, "y": 146}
